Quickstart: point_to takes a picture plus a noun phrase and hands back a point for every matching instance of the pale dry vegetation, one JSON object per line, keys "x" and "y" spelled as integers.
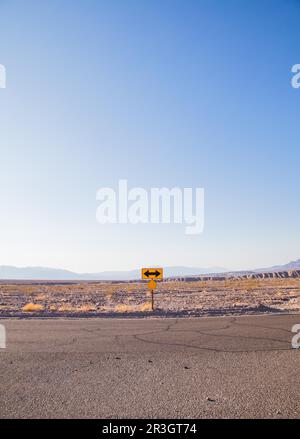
{"x": 32, "y": 307}
{"x": 189, "y": 298}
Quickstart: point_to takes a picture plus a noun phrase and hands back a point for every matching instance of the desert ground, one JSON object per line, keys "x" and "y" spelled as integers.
{"x": 79, "y": 350}
{"x": 132, "y": 299}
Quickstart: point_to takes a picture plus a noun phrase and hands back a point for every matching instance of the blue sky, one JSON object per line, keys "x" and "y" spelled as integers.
{"x": 93, "y": 87}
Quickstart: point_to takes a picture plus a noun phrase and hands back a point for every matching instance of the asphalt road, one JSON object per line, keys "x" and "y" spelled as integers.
{"x": 152, "y": 368}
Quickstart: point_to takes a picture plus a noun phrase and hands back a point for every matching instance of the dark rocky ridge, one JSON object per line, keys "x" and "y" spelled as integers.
{"x": 289, "y": 274}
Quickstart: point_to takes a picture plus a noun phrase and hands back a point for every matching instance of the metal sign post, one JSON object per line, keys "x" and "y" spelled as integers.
{"x": 151, "y": 274}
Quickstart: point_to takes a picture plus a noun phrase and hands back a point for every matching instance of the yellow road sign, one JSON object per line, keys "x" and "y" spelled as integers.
{"x": 152, "y": 285}
{"x": 152, "y": 273}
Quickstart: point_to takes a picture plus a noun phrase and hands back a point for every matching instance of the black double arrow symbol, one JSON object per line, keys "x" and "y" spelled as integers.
{"x": 152, "y": 273}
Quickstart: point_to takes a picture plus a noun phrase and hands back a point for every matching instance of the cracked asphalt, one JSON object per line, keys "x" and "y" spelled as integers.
{"x": 218, "y": 367}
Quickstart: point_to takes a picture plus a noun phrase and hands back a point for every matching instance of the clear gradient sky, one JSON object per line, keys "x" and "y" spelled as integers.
{"x": 93, "y": 86}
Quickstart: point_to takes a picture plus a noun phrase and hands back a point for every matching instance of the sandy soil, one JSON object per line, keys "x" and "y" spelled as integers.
{"x": 231, "y": 297}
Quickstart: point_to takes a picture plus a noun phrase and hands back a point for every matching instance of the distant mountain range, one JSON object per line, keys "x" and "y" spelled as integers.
{"x": 44, "y": 273}
{"x": 294, "y": 265}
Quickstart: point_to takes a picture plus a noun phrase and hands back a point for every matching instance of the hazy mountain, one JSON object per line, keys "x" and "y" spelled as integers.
{"x": 293, "y": 265}
{"x": 136, "y": 274}
{"x": 45, "y": 273}
{"x": 32, "y": 273}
